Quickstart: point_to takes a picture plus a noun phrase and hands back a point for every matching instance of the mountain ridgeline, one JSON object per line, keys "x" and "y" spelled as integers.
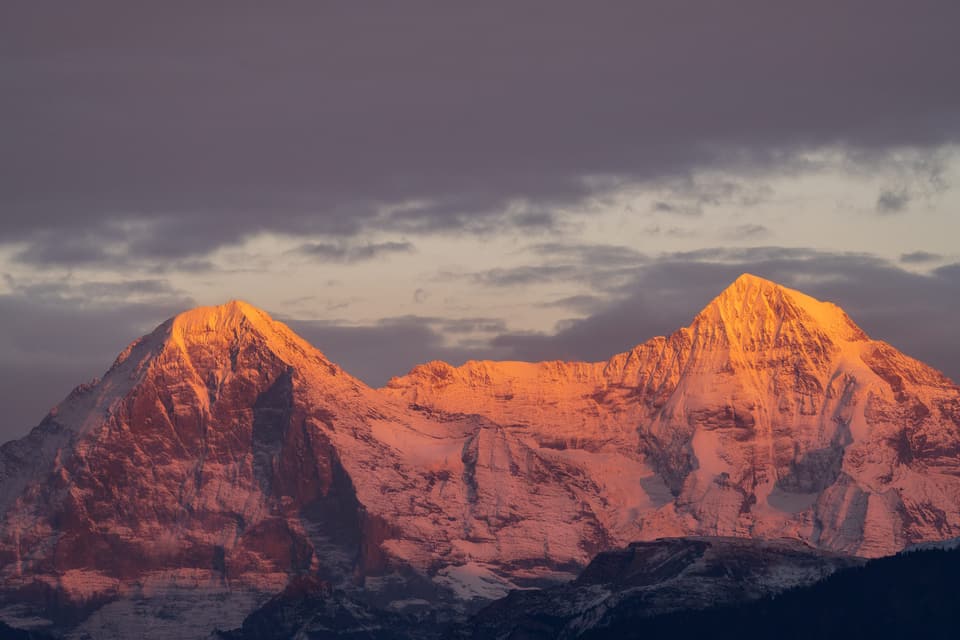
{"x": 223, "y": 456}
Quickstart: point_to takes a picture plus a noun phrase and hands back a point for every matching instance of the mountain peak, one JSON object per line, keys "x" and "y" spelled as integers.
{"x": 749, "y": 279}
{"x": 751, "y": 304}
{"x": 231, "y": 314}
{"x": 235, "y": 321}
{"x": 748, "y": 285}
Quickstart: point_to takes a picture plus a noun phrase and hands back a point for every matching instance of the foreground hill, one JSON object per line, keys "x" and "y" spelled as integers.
{"x": 642, "y": 580}
{"x": 222, "y": 455}
{"x": 911, "y": 595}
{"x": 649, "y": 579}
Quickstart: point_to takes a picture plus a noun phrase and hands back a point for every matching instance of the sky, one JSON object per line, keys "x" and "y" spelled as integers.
{"x": 404, "y": 182}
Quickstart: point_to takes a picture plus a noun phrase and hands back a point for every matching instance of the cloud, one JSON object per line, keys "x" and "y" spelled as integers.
{"x": 920, "y": 257}
{"x": 524, "y": 275}
{"x": 108, "y": 246}
{"x": 593, "y": 254}
{"x": 76, "y": 249}
{"x": 685, "y": 209}
{"x": 330, "y": 252}
{"x": 582, "y": 303}
{"x": 168, "y": 138}
{"x": 690, "y": 195}
{"x": 96, "y": 292}
{"x": 748, "y": 232}
{"x": 600, "y": 265}
{"x": 892, "y": 201}
{"x": 914, "y": 176}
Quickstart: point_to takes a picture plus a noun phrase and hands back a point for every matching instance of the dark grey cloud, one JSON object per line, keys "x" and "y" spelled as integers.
{"x": 920, "y": 257}
{"x": 76, "y": 249}
{"x": 95, "y": 292}
{"x": 601, "y": 265}
{"x": 748, "y": 232}
{"x": 690, "y": 196}
{"x": 890, "y": 201}
{"x": 685, "y": 209}
{"x": 525, "y": 275}
{"x": 594, "y": 254}
{"x": 340, "y": 252}
{"x": 172, "y": 129}
{"x": 106, "y": 246}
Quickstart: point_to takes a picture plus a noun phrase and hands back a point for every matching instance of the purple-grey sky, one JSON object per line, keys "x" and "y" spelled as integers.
{"x": 432, "y": 180}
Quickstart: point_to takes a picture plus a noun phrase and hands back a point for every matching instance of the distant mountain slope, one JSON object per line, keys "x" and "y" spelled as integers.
{"x": 222, "y": 455}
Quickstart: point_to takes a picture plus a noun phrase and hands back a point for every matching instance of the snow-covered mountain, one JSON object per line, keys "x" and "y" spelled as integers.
{"x": 222, "y": 454}
{"x": 771, "y": 415}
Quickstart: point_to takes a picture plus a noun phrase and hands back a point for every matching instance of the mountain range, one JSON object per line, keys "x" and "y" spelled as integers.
{"x": 223, "y": 458}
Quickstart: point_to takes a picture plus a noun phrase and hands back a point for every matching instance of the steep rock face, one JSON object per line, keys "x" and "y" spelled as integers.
{"x": 772, "y": 414}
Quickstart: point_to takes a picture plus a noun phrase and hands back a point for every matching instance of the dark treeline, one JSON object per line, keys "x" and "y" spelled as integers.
{"x": 10, "y": 633}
